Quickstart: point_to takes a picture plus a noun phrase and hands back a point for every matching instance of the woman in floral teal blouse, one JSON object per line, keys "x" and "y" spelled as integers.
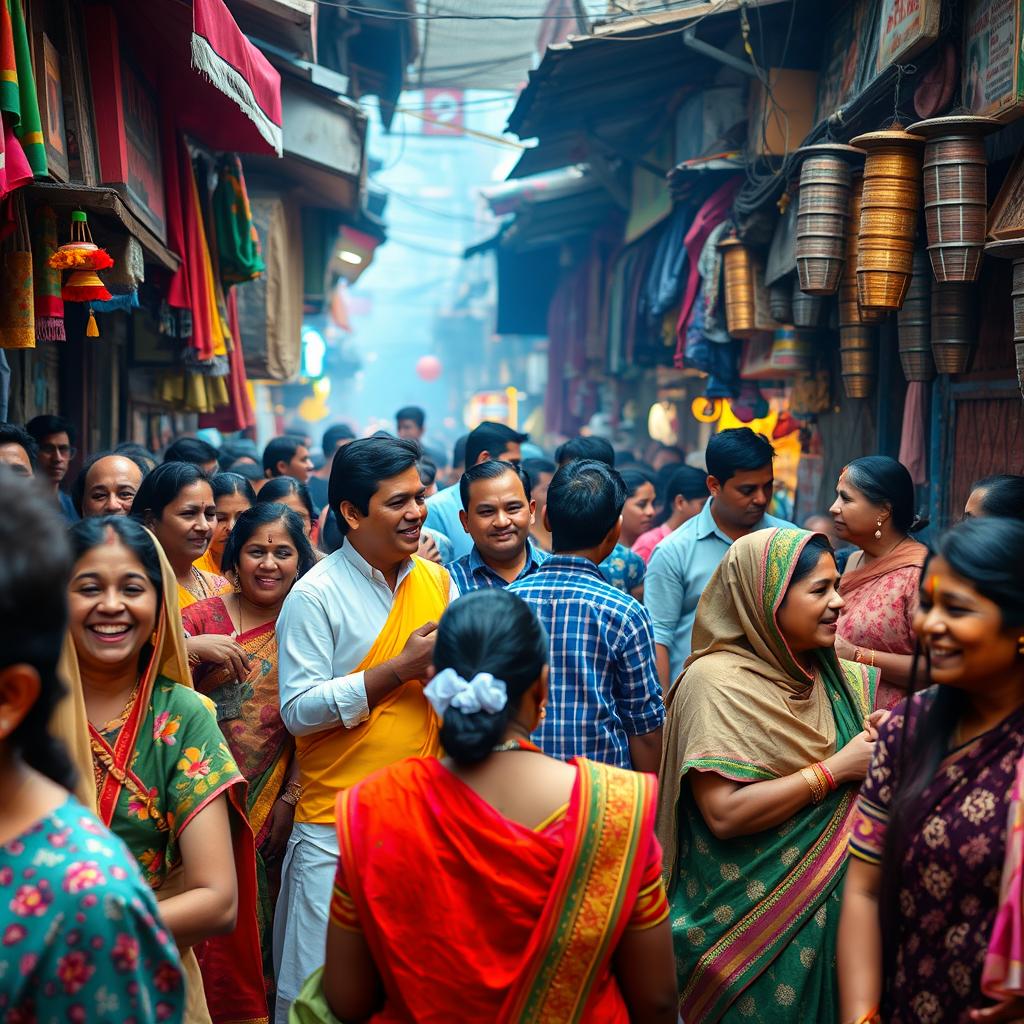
{"x": 80, "y": 935}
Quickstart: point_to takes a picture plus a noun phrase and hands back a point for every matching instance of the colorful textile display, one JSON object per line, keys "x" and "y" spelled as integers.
{"x": 49, "y": 306}
{"x": 125, "y": 278}
{"x": 17, "y": 317}
{"x": 239, "y": 413}
{"x": 18, "y": 86}
{"x": 238, "y": 244}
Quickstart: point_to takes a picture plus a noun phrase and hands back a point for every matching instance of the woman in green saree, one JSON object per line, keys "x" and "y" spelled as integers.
{"x": 166, "y": 783}
{"x": 767, "y": 736}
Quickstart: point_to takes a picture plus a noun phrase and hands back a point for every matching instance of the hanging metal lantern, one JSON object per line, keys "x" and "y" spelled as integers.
{"x": 955, "y": 193}
{"x": 914, "y": 321}
{"x": 740, "y": 273}
{"x": 850, "y": 311}
{"x": 888, "y": 216}
{"x": 952, "y": 326}
{"x": 822, "y": 219}
{"x": 1013, "y": 249}
{"x": 858, "y": 358}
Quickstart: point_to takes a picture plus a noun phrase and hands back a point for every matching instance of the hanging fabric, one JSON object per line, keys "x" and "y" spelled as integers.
{"x": 17, "y": 317}
{"x": 238, "y": 244}
{"x": 49, "y": 306}
{"x": 18, "y": 97}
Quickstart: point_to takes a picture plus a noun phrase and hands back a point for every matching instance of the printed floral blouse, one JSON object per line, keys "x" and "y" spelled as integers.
{"x": 180, "y": 763}
{"x": 80, "y": 936}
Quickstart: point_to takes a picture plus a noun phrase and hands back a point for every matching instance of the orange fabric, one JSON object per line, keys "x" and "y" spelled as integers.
{"x": 487, "y": 882}
{"x": 402, "y": 725}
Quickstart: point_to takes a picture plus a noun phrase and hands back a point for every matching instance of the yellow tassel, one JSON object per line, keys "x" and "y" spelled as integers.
{"x": 91, "y": 330}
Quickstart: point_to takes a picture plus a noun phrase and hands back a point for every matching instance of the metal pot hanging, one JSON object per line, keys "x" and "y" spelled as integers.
{"x": 823, "y": 211}
{"x": 955, "y": 193}
{"x": 740, "y": 270}
{"x": 850, "y": 311}
{"x": 953, "y": 327}
{"x": 914, "y": 321}
{"x": 1013, "y": 249}
{"x": 808, "y": 310}
{"x": 888, "y": 216}
{"x": 858, "y": 358}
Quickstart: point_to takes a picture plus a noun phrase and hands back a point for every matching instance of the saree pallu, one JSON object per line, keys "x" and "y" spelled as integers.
{"x": 523, "y": 923}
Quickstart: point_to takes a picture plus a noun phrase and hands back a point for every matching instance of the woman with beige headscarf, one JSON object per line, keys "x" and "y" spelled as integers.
{"x": 766, "y": 739}
{"x": 165, "y": 781}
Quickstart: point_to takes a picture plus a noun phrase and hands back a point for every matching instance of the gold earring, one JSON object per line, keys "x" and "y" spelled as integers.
{"x": 1020, "y": 645}
{"x": 544, "y": 710}
{"x": 878, "y": 532}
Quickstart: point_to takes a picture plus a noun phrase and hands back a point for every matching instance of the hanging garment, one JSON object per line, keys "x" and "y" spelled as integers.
{"x": 17, "y": 313}
{"x": 238, "y": 244}
{"x": 49, "y": 306}
{"x": 18, "y": 99}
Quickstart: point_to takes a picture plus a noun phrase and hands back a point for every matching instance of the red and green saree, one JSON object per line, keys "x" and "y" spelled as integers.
{"x": 754, "y": 918}
{"x": 508, "y": 923}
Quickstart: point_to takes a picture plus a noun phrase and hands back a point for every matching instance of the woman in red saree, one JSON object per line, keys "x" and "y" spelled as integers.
{"x": 537, "y": 886}
{"x": 874, "y": 510}
{"x": 232, "y": 644}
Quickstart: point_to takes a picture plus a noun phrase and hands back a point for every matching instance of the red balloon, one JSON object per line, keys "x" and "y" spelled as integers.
{"x": 428, "y": 367}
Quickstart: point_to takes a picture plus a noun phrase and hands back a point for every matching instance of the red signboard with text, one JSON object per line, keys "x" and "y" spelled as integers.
{"x": 443, "y": 112}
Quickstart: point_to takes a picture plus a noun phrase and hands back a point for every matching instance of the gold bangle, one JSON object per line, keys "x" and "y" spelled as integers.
{"x": 871, "y": 1017}
{"x": 872, "y": 665}
{"x": 816, "y": 785}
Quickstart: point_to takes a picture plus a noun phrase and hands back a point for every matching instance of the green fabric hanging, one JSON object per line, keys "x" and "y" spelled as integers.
{"x": 18, "y": 88}
{"x": 238, "y": 244}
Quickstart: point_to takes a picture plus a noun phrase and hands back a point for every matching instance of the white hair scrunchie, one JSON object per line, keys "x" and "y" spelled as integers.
{"x": 481, "y": 693}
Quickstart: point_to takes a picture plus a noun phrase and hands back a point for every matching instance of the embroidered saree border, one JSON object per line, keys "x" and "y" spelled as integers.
{"x": 740, "y": 956}
{"x": 588, "y": 909}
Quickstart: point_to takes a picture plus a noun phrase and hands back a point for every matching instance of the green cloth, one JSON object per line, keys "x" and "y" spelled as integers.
{"x": 238, "y": 245}
{"x": 18, "y": 96}
{"x": 310, "y": 1005}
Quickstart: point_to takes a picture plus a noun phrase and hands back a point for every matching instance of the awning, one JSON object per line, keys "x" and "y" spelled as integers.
{"x": 224, "y": 92}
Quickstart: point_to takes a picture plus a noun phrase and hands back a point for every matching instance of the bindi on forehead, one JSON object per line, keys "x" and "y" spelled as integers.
{"x": 270, "y": 539}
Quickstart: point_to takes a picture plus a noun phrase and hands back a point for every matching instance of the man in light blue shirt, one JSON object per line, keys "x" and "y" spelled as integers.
{"x": 488, "y": 441}
{"x": 740, "y": 479}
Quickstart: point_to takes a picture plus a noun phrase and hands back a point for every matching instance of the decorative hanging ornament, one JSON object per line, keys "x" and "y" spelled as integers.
{"x": 83, "y": 258}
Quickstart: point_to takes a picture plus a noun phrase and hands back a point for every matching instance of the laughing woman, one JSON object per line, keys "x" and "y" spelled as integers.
{"x": 232, "y": 643}
{"x": 232, "y": 495}
{"x": 166, "y": 782}
{"x": 928, "y": 933}
{"x": 765, "y": 742}
{"x": 176, "y": 502}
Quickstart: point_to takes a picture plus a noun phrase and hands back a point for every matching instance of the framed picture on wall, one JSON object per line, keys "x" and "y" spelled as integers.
{"x": 51, "y": 106}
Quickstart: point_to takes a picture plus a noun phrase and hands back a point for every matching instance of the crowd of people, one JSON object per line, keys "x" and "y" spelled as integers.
{"x": 573, "y": 736}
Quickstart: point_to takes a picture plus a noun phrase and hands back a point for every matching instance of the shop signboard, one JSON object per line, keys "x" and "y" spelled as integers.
{"x": 850, "y": 48}
{"x": 993, "y": 64}
{"x": 905, "y": 28}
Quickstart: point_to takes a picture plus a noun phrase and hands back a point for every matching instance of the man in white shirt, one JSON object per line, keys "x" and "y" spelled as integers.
{"x": 355, "y": 639}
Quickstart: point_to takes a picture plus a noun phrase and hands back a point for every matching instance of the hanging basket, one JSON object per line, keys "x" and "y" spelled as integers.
{"x": 1013, "y": 249}
{"x": 888, "y": 218}
{"x": 740, "y": 273}
{"x": 780, "y": 300}
{"x": 823, "y": 213}
{"x": 808, "y": 310}
{"x": 914, "y": 321}
{"x": 857, "y": 358}
{"x": 952, "y": 326}
{"x": 850, "y": 311}
{"x": 955, "y": 193}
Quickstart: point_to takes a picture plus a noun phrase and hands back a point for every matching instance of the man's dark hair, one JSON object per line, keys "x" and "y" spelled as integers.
{"x": 490, "y": 470}
{"x": 334, "y": 435}
{"x": 737, "y": 450}
{"x": 41, "y": 427}
{"x": 360, "y": 467}
{"x": 459, "y": 451}
{"x": 687, "y": 482}
{"x": 235, "y": 448}
{"x": 35, "y": 563}
{"x": 247, "y": 469}
{"x": 427, "y": 471}
{"x": 11, "y": 433}
{"x": 280, "y": 449}
{"x": 585, "y": 500}
{"x": 534, "y": 468}
{"x": 411, "y": 412}
{"x": 192, "y": 450}
{"x": 142, "y": 457}
{"x": 596, "y": 449}
{"x": 491, "y": 437}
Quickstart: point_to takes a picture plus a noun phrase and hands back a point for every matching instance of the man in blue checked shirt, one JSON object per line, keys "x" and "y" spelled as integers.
{"x": 605, "y": 699}
{"x": 497, "y": 512}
